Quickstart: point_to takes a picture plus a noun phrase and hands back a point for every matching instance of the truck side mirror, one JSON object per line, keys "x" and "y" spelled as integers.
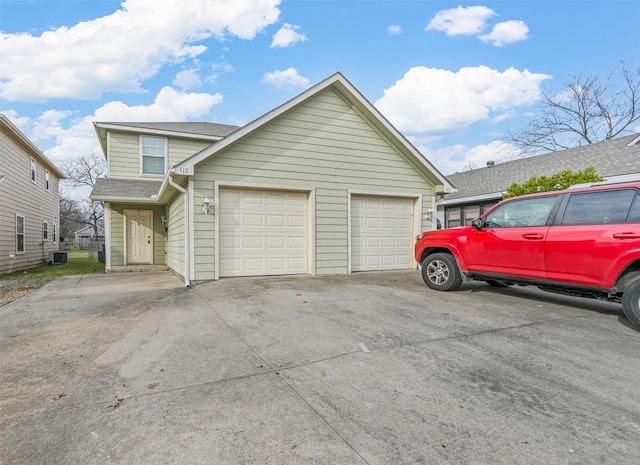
{"x": 476, "y": 223}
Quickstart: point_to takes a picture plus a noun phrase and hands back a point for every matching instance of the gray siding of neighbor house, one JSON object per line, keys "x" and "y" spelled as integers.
{"x": 117, "y": 250}
{"x": 124, "y": 153}
{"x": 323, "y": 144}
{"x": 176, "y": 236}
{"x": 20, "y": 196}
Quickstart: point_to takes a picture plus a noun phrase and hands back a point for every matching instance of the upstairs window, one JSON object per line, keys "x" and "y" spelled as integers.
{"x": 153, "y": 151}
{"x": 19, "y": 234}
{"x": 46, "y": 180}
{"x": 33, "y": 170}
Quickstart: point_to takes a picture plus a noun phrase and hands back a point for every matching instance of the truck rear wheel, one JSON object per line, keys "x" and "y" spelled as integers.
{"x": 440, "y": 272}
{"x": 631, "y": 301}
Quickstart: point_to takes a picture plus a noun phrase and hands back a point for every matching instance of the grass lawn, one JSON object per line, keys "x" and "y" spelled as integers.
{"x": 23, "y": 282}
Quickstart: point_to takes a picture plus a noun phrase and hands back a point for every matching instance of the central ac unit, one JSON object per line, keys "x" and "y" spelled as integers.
{"x": 58, "y": 258}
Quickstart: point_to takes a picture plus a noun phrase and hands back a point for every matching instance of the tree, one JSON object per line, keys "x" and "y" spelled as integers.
{"x": 591, "y": 109}
{"x": 71, "y": 216}
{"x": 555, "y": 182}
{"x": 85, "y": 171}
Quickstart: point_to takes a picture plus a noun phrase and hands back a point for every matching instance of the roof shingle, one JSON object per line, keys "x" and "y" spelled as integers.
{"x": 609, "y": 158}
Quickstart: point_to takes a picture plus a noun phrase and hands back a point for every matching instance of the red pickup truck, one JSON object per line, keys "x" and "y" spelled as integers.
{"x": 583, "y": 242}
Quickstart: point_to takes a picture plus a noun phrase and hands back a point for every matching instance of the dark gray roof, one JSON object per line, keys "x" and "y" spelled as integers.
{"x": 609, "y": 158}
{"x": 110, "y": 188}
{"x": 200, "y": 128}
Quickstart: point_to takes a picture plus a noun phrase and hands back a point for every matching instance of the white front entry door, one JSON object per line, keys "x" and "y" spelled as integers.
{"x": 139, "y": 234}
{"x": 262, "y": 232}
{"x": 381, "y": 233}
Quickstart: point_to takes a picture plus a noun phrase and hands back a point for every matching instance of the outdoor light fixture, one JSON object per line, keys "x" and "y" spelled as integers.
{"x": 205, "y": 205}
{"x": 163, "y": 219}
{"x": 429, "y": 214}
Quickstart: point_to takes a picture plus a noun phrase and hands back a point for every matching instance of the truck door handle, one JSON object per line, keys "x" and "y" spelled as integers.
{"x": 627, "y": 235}
{"x": 532, "y": 236}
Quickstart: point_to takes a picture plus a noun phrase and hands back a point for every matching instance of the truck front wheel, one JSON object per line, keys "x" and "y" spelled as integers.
{"x": 631, "y": 301}
{"x": 440, "y": 272}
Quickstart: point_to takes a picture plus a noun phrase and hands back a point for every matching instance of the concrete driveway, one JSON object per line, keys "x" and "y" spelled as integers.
{"x": 370, "y": 368}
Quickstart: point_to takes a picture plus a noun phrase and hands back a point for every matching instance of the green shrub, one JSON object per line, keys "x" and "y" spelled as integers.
{"x": 555, "y": 182}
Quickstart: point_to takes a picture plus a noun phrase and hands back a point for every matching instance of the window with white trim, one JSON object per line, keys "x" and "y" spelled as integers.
{"x": 20, "y": 234}
{"x": 45, "y": 231}
{"x": 33, "y": 170}
{"x": 46, "y": 180}
{"x": 153, "y": 153}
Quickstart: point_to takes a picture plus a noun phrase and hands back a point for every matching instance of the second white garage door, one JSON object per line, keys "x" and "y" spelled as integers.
{"x": 381, "y": 233}
{"x": 262, "y": 232}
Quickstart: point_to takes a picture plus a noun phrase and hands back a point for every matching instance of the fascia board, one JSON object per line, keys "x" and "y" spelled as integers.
{"x": 473, "y": 198}
{"x": 160, "y": 132}
{"x": 35, "y": 151}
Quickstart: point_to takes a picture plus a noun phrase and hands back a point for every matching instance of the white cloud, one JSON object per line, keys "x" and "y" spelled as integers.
{"x": 456, "y": 158}
{"x": 287, "y": 78}
{"x": 79, "y": 138}
{"x": 119, "y": 51}
{"x": 506, "y": 32}
{"x": 287, "y": 36}
{"x": 470, "y": 20}
{"x": 428, "y": 100}
{"x": 394, "y": 29}
{"x": 187, "y": 79}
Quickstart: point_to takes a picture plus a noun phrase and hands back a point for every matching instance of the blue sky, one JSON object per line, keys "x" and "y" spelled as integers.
{"x": 452, "y": 76}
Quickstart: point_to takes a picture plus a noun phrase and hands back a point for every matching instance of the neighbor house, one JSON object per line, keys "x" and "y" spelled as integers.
{"x": 322, "y": 184}
{"x": 86, "y": 235}
{"x": 29, "y": 201}
{"x": 480, "y": 189}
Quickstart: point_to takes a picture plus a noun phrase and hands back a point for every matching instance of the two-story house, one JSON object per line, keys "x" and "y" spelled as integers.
{"x": 321, "y": 184}
{"x": 29, "y": 201}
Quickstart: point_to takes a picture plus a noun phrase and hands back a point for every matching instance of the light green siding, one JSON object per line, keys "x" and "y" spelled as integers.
{"x": 176, "y": 235}
{"x": 124, "y": 153}
{"x": 117, "y": 246}
{"x": 325, "y": 145}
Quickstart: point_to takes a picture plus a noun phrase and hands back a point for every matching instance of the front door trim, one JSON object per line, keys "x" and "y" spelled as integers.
{"x": 126, "y": 214}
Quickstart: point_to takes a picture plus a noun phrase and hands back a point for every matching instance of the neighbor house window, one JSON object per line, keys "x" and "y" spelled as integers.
{"x": 154, "y": 155}
{"x": 19, "y": 234}
{"x": 45, "y": 231}
{"x": 33, "y": 170}
{"x": 46, "y": 180}
{"x": 53, "y": 232}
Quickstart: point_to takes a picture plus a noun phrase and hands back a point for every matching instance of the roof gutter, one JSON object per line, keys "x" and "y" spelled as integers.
{"x": 187, "y": 237}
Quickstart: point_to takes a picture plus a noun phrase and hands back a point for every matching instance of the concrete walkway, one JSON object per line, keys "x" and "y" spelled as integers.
{"x": 370, "y": 368}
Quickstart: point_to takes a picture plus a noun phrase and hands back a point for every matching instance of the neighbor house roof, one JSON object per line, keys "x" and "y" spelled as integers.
{"x": 108, "y": 189}
{"x": 615, "y": 157}
{"x": 8, "y": 126}
{"x": 89, "y": 229}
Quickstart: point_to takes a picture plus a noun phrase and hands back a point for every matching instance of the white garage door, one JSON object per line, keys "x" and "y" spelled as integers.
{"x": 381, "y": 233}
{"x": 262, "y": 232}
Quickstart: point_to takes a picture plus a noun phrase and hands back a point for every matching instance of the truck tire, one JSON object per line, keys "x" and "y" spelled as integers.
{"x": 440, "y": 272}
{"x": 631, "y": 301}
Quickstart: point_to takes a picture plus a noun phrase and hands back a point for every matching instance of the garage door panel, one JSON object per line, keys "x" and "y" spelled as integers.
{"x": 271, "y": 236}
{"x": 381, "y": 233}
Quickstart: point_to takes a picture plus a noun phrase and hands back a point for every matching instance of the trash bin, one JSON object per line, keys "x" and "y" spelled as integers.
{"x": 101, "y": 254}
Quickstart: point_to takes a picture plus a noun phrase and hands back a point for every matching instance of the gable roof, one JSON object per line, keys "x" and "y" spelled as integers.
{"x": 614, "y": 157}
{"x": 347, "y": 91}
{"x": 192, "y": 130}
{"x": 10, "y": 128}
{"x": 89, "y": 229}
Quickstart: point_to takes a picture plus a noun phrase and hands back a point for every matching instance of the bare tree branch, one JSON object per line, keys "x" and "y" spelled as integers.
{"x": 591, "y": 109}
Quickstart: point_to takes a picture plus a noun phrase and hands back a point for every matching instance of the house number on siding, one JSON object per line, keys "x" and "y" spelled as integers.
{"x": 187, "y": 170}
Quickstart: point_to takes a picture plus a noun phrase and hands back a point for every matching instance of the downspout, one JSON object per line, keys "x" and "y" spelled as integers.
{"x": 187, "y": 238}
